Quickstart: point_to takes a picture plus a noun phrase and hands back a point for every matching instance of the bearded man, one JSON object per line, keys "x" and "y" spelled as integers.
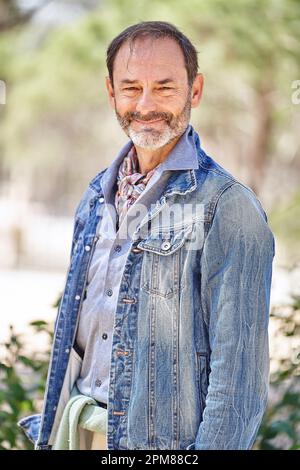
{"x": 161, "y": 336}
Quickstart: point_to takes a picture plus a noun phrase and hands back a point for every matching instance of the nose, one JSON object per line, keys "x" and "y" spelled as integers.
{"x": 145, "y": 103}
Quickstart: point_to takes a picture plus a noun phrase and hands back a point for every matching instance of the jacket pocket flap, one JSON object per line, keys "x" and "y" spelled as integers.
{"x": 166, "y": 242}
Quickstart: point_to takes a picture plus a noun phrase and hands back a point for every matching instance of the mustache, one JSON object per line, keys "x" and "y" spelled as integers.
{"x": 130, "y": 116}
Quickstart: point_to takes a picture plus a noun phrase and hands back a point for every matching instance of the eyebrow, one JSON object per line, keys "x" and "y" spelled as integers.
{"x": 160, "y": 82}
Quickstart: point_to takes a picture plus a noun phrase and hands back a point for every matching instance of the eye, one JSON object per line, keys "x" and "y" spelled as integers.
{"x": 165, "y": 88}
{"x": 130, "y": 88}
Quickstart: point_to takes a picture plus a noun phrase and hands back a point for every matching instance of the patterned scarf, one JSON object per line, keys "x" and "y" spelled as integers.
{"x": 130, "y": 183}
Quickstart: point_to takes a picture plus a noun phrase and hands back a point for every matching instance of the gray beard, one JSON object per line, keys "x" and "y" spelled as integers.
{"x": 153, "y": 139}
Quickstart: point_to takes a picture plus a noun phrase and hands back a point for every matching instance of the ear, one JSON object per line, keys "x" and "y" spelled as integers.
{"x": 110, "y": 91}
{"x": 197, "y": 88}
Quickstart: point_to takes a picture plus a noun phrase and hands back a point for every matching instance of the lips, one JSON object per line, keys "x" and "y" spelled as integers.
{"x": 148, "y": 122}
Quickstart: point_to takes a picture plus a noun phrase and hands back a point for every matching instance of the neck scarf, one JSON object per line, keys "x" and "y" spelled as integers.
{"x": 130, "y": 183}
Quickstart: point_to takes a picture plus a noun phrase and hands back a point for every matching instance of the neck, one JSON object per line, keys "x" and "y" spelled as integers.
{"x": 149, "y": 159}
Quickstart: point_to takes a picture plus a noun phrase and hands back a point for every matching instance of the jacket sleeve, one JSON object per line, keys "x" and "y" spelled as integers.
{"x": 236, "y": 273}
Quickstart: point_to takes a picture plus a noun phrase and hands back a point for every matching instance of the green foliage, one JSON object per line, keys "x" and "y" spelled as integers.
{"x": 22, "y": 379}
{"x": 280, "y": 428}
{"x": 285, "y": 221}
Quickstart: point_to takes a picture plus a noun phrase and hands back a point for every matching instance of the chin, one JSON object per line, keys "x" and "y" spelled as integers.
{"x": 150, "y": 142}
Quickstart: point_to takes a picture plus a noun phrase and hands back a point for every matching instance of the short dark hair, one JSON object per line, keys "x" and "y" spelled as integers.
{"x": 155, "y": 29}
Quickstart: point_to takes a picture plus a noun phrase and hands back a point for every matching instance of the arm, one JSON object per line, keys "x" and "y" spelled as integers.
{"x": 236, "y": 271}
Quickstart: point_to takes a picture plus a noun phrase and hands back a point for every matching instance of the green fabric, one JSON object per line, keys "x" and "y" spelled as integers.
{"x": 82, "y": 411}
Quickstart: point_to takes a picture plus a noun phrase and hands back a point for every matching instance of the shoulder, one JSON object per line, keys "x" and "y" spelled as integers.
{"x": 239, "y": 218}
{"x": 223, "y": 191}
{"x": 233, "y": 206}
{"x": 241, "y": 200}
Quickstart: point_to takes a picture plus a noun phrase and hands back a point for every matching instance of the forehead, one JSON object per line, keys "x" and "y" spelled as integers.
{"x": 150, "y": 59}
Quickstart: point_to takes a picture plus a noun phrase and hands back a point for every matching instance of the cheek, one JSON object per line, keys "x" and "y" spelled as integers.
{"x": 172, "y": 104}
{"x": 124, "y": 104}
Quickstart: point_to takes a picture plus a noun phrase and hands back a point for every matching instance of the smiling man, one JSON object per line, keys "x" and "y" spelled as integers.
{"x": 152, "y": 92}
{"x": 161, "y": 338}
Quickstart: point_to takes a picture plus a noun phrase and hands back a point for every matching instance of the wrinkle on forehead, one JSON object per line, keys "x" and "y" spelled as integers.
{"x": 143, "y": 52}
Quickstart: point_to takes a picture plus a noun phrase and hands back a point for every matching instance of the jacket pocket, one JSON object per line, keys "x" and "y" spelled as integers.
{"x": 202, "y": 364}
{"x": 31, "y": 426}
{"x": 161, "y": 273}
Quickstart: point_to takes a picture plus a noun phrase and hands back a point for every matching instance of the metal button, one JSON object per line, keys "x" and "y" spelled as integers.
{"x": 98, "y": 383}
{"x": 77, "y": 297}
{"x": 136, "y": 250}
{"x": 109, "y": 292}
{"x": 87, "y": 248}
{"x": 118, "y": 248}
{"x": 165, "y": 245}
{"x": 104, "y": 336}
{"x": 126, "y": 300}
{"x": 67, "y": 351}
{"x": 101, "y": 199}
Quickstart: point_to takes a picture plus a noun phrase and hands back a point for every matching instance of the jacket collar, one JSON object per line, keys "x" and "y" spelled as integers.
{"x": 182, "y": 161}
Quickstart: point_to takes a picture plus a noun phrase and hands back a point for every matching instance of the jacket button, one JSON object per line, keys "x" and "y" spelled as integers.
{"x": 165, "y": 245}
{"x": 104, "y": 336}
{"x": 87, "y": 248}
{"x": 101, "y": 199}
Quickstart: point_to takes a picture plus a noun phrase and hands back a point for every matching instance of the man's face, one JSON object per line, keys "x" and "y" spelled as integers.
{"x": 150, "y": 92}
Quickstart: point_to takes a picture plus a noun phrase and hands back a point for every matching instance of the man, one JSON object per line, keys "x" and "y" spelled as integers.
{"x": 164, "y": 319}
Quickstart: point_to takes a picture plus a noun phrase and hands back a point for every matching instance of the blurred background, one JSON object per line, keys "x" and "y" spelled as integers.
{"x": 57, "y": 131}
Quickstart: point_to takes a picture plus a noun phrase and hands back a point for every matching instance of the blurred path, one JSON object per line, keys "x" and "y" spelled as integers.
{"x": 27, "y": 296}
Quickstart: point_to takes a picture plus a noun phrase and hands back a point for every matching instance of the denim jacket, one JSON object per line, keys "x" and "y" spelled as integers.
{"x": 190, "y": 359}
